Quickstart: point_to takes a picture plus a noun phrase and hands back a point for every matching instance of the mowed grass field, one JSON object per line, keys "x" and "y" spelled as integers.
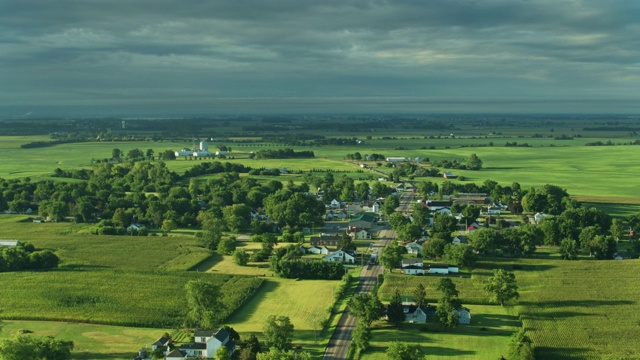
{"x": 582, "y": 309}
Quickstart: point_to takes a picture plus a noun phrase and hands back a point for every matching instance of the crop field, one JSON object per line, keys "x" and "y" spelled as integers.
{"x": 79, "y": 249}
{"x": 119, "y": 280}
{"x": 572, "y": 309}
{"x": 115, "y": 297}
{"x": 487, "y": 336}
{"x": 91, "y": 341}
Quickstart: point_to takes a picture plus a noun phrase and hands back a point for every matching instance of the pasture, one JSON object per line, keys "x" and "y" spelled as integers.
{"x": 583, "y": 309}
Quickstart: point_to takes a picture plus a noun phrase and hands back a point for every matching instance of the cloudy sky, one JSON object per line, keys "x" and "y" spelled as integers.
{"x": 322, "y": 56}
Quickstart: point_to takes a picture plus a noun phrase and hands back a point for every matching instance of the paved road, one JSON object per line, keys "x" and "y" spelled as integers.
{"x": 339, "y": 344}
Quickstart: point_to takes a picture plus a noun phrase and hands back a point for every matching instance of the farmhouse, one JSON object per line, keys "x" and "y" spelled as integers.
{"x": 341, "y": 256}
{"x": 418, "y": 314}
{"x": 413, "y": 266}
{"x": 324, "y": 240}
{"x": 205, "y": 344}
{"x": 414, "y": 248}
{"x": 374, "y": 208}
{"x": 449, "y": 175}
{"x": 363, "y": 220}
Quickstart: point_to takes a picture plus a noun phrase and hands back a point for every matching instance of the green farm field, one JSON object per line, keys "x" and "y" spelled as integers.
{"x": 585, "y": 171}
{"x": 583, "y": 309}
{"x": 117, "y": 280}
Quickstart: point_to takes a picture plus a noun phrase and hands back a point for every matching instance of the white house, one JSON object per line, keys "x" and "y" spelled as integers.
{"x": 363, "y": 235}
{"x": 460, "y": 239}
{"x": 134, "y": 227}
{"x": 418, "y": 314}
{"x": 414, "y": 248}
{"x": 464, "y": 316}
{"x": 341, "y": 256}
{"x": 335, "y": 204}
{"x": 205, "y": 344}
{"x": 539, "y": 216}
{"x": 413, "y": 266}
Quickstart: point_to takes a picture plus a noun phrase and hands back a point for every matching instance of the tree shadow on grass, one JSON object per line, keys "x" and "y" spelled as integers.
{"x": 81, "y": 267}
{"x": 566, "y": 353}
{"x": 99, "y": 356}
{"x": 431, "y": 350}
{"x": 576, "y": 303}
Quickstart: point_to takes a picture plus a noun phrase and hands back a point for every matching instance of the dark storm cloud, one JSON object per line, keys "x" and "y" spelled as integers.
{"x": 90, "y": 51}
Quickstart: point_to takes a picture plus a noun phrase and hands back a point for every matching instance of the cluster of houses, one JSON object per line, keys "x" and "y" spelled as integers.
{"x": 205, "y": 344}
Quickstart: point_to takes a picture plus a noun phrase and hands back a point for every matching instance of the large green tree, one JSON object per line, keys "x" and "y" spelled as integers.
{"x": 420, "y": 295}
{"x": 474, "y": 162}
{"x": 502, "y": 287}
{"x": 23, "y": 347}
{"x": 278, "y": 331}
{"x": 395, "y": 313}
{"x": 367, "y": 308}
{"x": 361, "y": 336}
{"x": 404, "y": 351}
{"x": 391, "y": 256}
{"x": 521, "y": 347}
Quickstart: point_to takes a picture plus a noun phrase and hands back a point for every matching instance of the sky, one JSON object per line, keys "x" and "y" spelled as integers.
{"x": 297, "y": 56}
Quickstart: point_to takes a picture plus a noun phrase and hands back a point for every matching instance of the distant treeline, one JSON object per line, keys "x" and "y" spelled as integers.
{"x": 215, "y": 167}
{"x": 41, "y": 144}
{"x": 610, "y": 143}
{"x": 282, "y": 154}
{"x": 612, "y": 128}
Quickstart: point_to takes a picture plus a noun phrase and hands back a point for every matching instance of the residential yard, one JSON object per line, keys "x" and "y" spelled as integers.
{"x": 487, "y": 336}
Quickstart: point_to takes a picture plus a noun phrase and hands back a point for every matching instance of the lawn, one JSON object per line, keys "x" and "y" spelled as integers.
{"x": 486, "y": 337}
